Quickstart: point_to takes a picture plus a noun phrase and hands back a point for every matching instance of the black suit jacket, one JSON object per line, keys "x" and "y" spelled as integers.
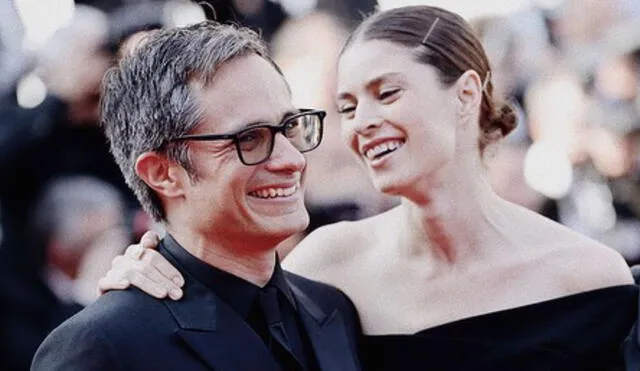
{"x": 29, "y": 310}
{"x": 129, "y": 330}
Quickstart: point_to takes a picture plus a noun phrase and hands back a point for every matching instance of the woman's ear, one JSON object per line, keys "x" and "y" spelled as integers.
{"x": 469, "y": 93}
{"x": 160, "y": 174}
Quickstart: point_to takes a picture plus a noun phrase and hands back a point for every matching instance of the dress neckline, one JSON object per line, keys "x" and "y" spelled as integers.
{"x": 522, "y": 310}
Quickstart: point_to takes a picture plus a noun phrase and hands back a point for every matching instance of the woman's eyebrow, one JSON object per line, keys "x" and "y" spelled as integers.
{"x": 374, "y": 82}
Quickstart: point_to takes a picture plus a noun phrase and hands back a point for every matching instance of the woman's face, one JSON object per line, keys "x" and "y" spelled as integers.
{"x": 396, "y": 116}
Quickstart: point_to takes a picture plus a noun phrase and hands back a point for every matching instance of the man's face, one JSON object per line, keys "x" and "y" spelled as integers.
{"x": 232, "y": 201}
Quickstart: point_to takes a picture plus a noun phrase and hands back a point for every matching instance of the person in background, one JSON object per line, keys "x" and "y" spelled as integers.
{"x": 59, "y": 137}
{"x": 76, "y": 227}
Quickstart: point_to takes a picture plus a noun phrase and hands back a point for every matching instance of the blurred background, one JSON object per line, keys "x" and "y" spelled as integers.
{"x": 570, "y": 67}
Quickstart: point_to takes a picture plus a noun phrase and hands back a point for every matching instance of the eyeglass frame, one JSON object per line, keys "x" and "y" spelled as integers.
{"x": 275, "y": 129}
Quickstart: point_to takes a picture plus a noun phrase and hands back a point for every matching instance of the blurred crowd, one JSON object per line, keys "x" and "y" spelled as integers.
{"x": 572, "y": 70}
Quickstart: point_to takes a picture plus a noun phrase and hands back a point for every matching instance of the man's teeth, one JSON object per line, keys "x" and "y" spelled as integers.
{"x": 274, "y": 192}
{"x": 381, "y": 148}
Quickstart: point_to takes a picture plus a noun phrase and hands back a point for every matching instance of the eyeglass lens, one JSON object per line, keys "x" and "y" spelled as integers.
{"x": 256, "y": 144}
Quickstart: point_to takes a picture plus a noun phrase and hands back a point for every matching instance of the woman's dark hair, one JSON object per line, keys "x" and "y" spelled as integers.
{"x": 445, "y": 41}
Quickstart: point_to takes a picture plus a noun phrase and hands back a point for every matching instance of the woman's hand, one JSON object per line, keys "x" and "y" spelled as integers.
{"x": 143, "y": 267}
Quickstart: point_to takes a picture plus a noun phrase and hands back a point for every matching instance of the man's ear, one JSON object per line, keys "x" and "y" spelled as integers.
{"x": 469, "y": 93}
{"x": 160, "y": 174}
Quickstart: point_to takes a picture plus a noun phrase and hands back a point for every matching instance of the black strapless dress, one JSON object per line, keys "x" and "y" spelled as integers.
{"x": 584, "y": 331}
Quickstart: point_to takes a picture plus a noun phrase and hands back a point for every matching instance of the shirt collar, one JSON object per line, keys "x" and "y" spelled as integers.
{"x": 235, "y": 291}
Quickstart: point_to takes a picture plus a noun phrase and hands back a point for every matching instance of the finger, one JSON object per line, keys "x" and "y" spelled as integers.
{"x": 111, "y": 282}
{"x": 121, "y": 262}
{"x": 147, "y": 285}
{"x": 148, "y": 270}
{"x": 159, "y": 262}
{"x": 134, "y": 252}
{"x": 150, "y": 240}
{"x": 123, "y": 269}
{"x": 115, "y": 278}
{"x": 153, "y": 265}
{"x": 175, "y": 294}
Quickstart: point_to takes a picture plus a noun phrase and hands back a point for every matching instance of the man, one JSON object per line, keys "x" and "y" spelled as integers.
{"x": 190, "y": 116}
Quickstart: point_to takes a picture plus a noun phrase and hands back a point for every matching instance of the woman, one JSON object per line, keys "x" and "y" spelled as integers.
{"x": 455, "y": 277}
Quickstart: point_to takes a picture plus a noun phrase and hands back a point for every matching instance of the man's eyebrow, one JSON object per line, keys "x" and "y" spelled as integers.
{"x": 373, "y": 82}
{"x": 290, "y": 113}
{"x": 285, "y": 116}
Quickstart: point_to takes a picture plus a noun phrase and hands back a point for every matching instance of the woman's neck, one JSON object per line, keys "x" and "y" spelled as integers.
{"x": 459, "y": 219}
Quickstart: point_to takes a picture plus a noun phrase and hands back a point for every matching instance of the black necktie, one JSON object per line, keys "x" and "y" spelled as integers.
{"x": 275, "y": 323}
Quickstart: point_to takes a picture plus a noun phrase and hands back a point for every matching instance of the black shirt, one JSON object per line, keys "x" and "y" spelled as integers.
{"x": 242, "y": 297}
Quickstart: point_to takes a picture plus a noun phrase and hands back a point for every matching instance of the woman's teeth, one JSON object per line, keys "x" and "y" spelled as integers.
{"x": 383, "y": 148}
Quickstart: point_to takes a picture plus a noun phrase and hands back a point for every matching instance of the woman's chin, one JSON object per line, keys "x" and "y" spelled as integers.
{"x": 387, "y": 187}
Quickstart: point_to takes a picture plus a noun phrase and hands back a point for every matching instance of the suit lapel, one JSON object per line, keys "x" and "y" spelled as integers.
{"x": 232, "y": 346}
{"x": 215, "y": 332}
{"x": 327, "y": 334}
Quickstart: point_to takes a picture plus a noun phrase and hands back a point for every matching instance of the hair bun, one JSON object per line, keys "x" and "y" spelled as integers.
{"x": 504, "y": 120}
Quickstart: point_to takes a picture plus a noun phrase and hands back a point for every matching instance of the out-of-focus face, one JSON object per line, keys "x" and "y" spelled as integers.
{"x": 396, "y": 116}
{"x": 230, "y": 199}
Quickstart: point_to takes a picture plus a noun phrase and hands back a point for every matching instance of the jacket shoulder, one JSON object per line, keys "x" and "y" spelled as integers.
{"x": 97, "y": 336}
{"x": 319, "y": 292}
{"x": 121, "y": 309}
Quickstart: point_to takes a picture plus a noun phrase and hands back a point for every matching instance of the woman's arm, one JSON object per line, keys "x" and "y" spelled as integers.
{"x": 319, "y": 256}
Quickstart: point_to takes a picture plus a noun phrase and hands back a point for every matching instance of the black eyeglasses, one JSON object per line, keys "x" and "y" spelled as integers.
{"x": 255, "y": 144}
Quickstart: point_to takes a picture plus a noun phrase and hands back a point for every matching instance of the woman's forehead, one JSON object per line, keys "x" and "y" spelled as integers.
{"x": 363, "y": 48}
{"x": 365, "y": 61}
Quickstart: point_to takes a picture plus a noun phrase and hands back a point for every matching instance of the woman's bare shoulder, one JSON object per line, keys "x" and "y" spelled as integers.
{"x": 331, "y": 248}
{"x": 586, "y": 263}
{"x": 600, "y": 265}
{"x": 325, "y": 246}
{"x": 579, "y": 262}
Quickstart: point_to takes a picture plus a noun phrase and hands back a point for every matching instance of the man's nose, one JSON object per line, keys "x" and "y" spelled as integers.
{"x": 285, "y": 157}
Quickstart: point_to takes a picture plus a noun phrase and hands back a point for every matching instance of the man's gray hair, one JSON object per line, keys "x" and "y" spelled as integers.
{"x": 147, "y": 98}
